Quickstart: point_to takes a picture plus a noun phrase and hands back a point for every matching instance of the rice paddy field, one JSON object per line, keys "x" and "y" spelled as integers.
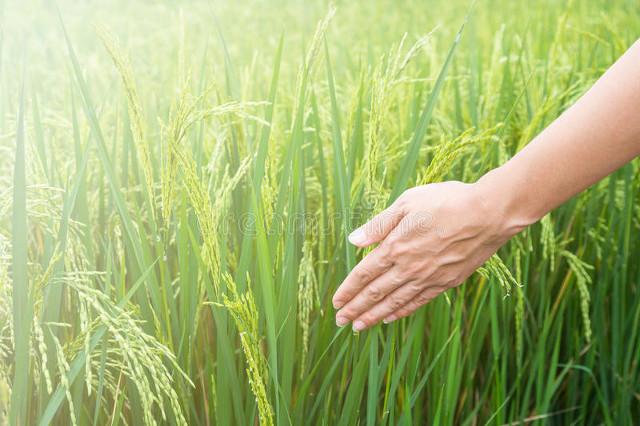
{"x": 178, "y": 179}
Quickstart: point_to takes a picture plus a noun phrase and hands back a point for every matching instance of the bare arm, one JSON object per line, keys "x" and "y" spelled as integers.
{"x": 597, "y": 135}
{"x": 434, "y": 236}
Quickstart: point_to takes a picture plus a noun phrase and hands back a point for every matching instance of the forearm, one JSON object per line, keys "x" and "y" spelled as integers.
{"x": 594, "y": 137}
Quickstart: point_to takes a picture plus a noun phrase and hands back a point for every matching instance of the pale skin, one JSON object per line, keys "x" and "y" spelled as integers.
{"x": 433, "y": 237}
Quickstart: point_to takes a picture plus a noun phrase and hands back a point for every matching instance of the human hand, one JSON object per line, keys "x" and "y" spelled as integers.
{"x": 431, "y": 239}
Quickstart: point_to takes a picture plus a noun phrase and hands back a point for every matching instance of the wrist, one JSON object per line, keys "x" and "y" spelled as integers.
{"x": 501, "y": 195}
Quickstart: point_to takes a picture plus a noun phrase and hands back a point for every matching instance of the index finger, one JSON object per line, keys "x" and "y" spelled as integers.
{"x": 373, "y": 265}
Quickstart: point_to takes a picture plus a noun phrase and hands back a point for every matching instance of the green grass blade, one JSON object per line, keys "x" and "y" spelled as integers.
{"x": 22, "y": 305}
{"x": 342, "y": 185}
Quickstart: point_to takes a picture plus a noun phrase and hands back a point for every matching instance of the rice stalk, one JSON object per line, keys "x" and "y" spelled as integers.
{"x": 519, "y": 314}
{"x": 384, "y": 79}
{"x": 209, "y": 214}
{"x": 245, "y": 314}
{"x": 123, "y": 66}
{"x": 313, "y": 52}
{"x": 171, "y": 141}
{"x": 446, "y": 154}
{"x": 495, "y": 267}
{"x": 142, "y": 356}
{"x": 583, "y": 279}
{"x": 307, "y": 298}
{"x": 548, "y": 240}
{"x": 63, "y": 369}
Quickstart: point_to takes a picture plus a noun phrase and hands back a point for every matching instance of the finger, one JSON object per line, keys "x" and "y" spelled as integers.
{"x": 371, "y": 295}
{"x": 369, "y": 268}
{"x": 410, "y": 307}
{"x": 390, "y": 303}
{"x": 377, "y": 228}
{"x": 410, "y": 226}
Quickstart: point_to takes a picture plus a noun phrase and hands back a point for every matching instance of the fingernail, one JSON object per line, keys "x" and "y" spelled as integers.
{"x": 337, "y": 304}
{"x": 358, "y": 237}
{"x": 358, "y": 326}
{"x": 388, "y": 320}
{"x": 341, "y": 321}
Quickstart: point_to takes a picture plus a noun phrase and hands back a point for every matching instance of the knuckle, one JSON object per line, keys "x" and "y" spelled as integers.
{"x": 413, "y": 270}
{"x": 384, "y": 262}
{"x": 346, "y": 312}
{"x": 423, "y": 221}
{"x": 373, "y": 227}
{"x": 391, "y": 248}
{"x": 362, "y": 274}
{"x": 422, "y": 298}
{"x": 389, "y": 217}
{"x": 374, "y": 293}
{"x": 367, "y": 319}
{"x": 415, "y": 287}
{"x": 398, "y": 279}
{"x": 385, "y": 248}
{"x": 395, "y": 302}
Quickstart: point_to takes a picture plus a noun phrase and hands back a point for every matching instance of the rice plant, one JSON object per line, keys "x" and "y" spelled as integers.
{"x": 178, "y": 181}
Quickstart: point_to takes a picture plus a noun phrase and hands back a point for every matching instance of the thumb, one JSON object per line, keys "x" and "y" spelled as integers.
{"x": 378, "y": 227}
